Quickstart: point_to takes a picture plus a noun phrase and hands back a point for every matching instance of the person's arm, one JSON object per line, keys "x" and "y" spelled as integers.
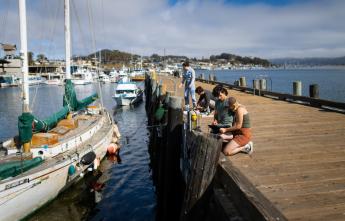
{"x": 207, "y": 99}
{"x": 215, "y": 122}
{"x": 238, "y": 122}
{"x": 199, "y": 100}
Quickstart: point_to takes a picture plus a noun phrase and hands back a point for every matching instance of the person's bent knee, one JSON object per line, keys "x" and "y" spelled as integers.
{"x": 227, "y": 152}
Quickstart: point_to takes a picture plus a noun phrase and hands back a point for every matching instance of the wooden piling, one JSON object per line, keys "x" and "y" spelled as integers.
{"x": 263, "y": 84}
{"x": 314, "y": 90}
{"x": 171, "y": 164}
{"x": 297, "y": 88}
{"x": 204, "y": 152}
{"x": 210, "y": 77}
{"x": 243, "y": 82}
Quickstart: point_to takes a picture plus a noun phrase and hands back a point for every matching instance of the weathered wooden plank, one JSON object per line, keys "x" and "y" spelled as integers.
{"x": 333, "y": 212}
{"x": 299, "y": 189}
{"x": 252, "y": 204}
{"x": 204, "y": 155}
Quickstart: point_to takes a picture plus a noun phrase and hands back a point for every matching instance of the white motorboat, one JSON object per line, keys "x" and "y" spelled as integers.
{"x": 113, "y": 75}
{"x": 127, "y": 93}
{"x": 35, "y": 79}
{"x": 104, "y": 78}
{"x": 54, "y": 79}
{"x": 9, "y": 80}
{"x": 82, "y": 76}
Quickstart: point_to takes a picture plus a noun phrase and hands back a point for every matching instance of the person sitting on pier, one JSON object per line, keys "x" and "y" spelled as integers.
{"x": 206, "y": 100}
{"x": 223, "y": 116}
{"x": 241, "y": 132}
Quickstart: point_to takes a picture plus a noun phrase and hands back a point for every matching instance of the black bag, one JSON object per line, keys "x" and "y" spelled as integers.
{"x": 215, "y": 128}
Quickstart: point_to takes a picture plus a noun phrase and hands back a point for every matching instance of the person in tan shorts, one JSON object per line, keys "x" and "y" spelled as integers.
{"x": 240, "y": 131}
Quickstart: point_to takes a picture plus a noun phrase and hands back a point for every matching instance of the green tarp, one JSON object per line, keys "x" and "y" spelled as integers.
{"x": 70, "y": 98}
{"x": 50, "y": 122}
{"x": 25, "y": 127}
{"x": 27, "y": 123}
{"x": 13, "y": 169}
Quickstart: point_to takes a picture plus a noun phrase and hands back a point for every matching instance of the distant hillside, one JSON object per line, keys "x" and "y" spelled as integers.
{"x": 113, "y": 56}
{"x": 236, "y": 59}
{"x": 309, "y": 61}
{"x": 119, "y": 57}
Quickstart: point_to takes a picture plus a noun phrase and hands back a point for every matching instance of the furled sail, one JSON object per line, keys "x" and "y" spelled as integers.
{"x": 28, "y": 123}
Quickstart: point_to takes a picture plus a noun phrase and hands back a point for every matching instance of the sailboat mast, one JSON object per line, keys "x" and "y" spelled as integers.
{"x": 24, "y": 55}
{"x": 67, "y": 40}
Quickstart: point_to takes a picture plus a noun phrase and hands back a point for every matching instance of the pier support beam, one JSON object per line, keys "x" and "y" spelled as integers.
{"x": 171, "y": 179}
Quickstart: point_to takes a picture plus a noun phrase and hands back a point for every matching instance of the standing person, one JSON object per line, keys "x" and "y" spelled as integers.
{"x": 188, "y": 79}
{"x": 241, "y": 132}
{"x": 223, "y": 116}
{"x": 206, "y": 101}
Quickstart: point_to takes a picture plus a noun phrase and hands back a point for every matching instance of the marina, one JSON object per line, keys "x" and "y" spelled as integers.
{"x": 152, "y": 111}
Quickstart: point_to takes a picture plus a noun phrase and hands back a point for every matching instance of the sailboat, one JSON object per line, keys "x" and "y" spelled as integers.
{"x": 49, "y": 155}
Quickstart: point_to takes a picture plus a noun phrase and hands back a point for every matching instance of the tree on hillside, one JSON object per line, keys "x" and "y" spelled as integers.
{"x": 41, "y": 58}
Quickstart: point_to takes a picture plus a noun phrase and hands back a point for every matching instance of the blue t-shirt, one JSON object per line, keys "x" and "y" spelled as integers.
{"x": 189, "y": 77}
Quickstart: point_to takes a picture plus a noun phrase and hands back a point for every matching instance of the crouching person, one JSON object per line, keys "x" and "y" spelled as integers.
{"x": 241, "y": 132}
{"x": 223, "y": 116}
{"x": 206, "y": 102}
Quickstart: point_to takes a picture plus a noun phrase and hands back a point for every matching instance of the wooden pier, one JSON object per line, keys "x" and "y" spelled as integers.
{"x": 297, "y": 170}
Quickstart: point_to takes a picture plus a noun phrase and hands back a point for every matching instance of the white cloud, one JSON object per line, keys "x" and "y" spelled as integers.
{"x": 192, "y": 28}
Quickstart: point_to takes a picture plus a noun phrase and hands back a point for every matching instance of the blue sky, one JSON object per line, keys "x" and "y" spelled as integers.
{"x": 196, "y": 28}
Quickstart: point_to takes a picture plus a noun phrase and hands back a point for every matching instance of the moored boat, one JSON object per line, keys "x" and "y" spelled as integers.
{"x": 127, "y": 93}
{"x": 49, "y": 155}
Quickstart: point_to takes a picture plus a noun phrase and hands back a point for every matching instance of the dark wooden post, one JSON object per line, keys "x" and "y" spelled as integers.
{"x": 204, "y": 154}
{"x": 314, "y": 91}
{"x": 148, "y": 93}
{"x": 171, "y": 173}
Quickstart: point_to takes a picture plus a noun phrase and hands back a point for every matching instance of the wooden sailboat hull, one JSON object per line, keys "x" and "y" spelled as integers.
{"x": 22, "y": 195}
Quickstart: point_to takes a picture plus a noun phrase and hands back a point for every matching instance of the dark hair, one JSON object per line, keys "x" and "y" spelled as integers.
{"x": 219, "y": 89}
{"x": 199, "y": 89}
{"x": 185, "y": 64}
{"x": 231, "y": 101}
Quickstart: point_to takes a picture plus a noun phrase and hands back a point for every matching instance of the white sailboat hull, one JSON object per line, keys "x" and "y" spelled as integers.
{"x": 39, "y": 189}
{"x": 22, "y": 195}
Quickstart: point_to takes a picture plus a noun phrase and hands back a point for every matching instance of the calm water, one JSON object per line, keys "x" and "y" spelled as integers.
{"x": 128, "y": 192}
{"x": 331, "y": 81}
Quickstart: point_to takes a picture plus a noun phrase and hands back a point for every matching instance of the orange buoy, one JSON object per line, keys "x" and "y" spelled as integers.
{"x": 113, "y": 148}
